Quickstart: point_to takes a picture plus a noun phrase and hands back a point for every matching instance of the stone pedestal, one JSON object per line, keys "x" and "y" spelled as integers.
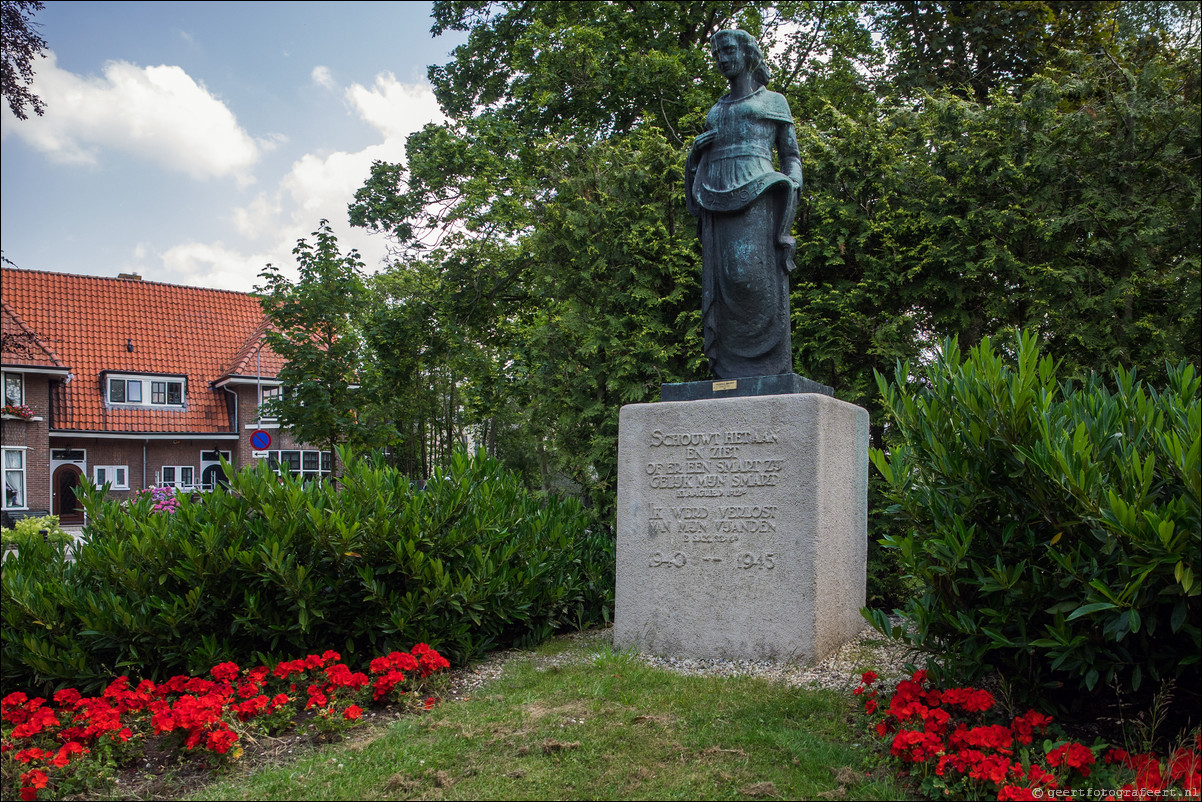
{"x": 742, "y": 527}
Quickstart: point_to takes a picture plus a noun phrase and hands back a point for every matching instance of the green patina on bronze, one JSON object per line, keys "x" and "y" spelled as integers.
{"x": 745, "y": 208}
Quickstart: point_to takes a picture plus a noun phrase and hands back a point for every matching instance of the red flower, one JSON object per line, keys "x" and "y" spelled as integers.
{"x": 33, "y": 753}
{"x": 1024, "y": 726}
{"x": 41, "y": 718}
{"x": 35, "y": 778}
{"x": 432, "y": 661}
{"x": 225, "y": 672}
{"x": 396, "y": 661}
{"x": 935, "y": 721}
{"x": 1116, "y": 755}
{"x": 1038, "y": 776}
{"x": 31, "y": 781}
{"x": 67, "y": 698}
{"x": 352, "y": 712}
{"x": 870, "y": 706}
{"x": 386, "y": 683}
{"x": 221, "y": 740}
{"x": 869, "y": 677}
{"x": 1073, "y": 755}
{"x": 316, "y": 697}
{"x": 916, "y": 746}
{"x": 993, "y": 768}
{"x": 64, "y": 754}
{"x": 971, "y": 700}
{"x": 251, "y": 707}
{"x": 993, "y": 737}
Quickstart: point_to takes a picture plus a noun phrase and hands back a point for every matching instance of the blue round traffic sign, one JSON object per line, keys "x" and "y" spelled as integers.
{"x": 260, "y": 440}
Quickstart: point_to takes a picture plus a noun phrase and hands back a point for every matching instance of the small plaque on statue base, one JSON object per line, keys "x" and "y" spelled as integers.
{"x": 780, "y": 384}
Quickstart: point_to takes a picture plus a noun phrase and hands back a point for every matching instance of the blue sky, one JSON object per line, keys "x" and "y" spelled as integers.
{"x": 196, "y": 142}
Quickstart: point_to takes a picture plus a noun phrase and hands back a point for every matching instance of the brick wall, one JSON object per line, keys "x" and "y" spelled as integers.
{"x": 34, "y": 435}
{"x": 102, "y": 451}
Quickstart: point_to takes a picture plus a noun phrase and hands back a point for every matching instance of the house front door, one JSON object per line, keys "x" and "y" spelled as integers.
{"x": 211, "y": 477}
{"x": 66, "y": 505}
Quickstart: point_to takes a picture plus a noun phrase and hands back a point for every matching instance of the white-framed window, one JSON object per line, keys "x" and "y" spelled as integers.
{"x": 305, "y": 463}
{"x": 14, "y": 389}
{"x": 125, "y": 391}
{"x": 268, "y": 393}
{"x": 167, "y": 393}
{"x": 143, "y": 391}
{"x": 115, "y": 476}
{"x": 14, "y": 479}
{"x": 178, "y": 476}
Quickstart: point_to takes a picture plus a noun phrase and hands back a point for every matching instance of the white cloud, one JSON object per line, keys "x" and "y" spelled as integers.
{"x": 317, "y": 186}
{"x": 259, "y": 216}
{"x": 393, "y": 108}
{"x": 322, "y": 185}
{"x": 159, "y": 113}
{"x": 322, "y": 76}
{"x": 216, "y": 265}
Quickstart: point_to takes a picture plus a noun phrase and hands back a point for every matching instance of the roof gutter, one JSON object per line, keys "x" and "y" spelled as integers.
{"x": 144, "y": 435}
{"x": 243, "y": 381}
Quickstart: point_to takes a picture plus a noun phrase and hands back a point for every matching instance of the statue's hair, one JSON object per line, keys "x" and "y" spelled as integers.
{"x": 751, "y": 49}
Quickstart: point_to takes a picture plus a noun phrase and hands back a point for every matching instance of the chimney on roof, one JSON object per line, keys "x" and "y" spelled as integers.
{"x": 129, "y": 276}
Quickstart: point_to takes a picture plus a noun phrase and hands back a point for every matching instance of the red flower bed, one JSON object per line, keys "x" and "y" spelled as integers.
{"x": 943, "y": 737}
{"x": 51, "y": 747}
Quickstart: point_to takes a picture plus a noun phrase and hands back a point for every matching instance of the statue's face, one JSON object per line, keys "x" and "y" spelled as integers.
{"x": 728, "y": 54}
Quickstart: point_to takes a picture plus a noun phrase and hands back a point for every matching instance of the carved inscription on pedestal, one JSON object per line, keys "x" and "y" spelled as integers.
{"x": 712, "y": 494}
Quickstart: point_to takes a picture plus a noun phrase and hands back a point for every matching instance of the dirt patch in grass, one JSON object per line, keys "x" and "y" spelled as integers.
{"x": 759, "y": 789}
{"x": 537, "y": 711}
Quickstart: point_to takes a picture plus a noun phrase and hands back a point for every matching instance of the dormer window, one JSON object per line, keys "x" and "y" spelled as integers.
{"x": 146, "y": 391}
{"x": 125, "y": 391}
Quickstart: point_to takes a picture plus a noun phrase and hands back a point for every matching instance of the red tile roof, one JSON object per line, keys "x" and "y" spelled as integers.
{"x": 255, "y": 358}
{"x": 20, "y": 346}
{"x": 200, "y": 333}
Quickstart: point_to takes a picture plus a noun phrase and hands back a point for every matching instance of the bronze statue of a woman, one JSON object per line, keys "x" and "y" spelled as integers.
{"x": 745, "y": 209}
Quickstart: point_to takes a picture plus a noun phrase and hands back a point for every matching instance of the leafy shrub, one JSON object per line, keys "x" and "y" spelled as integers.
{"x": 28, "y": 529}
{"x": 272, "y": 566}
{"x": 1053, "y": 528}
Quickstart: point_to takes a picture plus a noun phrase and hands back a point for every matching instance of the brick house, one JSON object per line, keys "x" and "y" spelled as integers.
{"x": 133, "y": 384}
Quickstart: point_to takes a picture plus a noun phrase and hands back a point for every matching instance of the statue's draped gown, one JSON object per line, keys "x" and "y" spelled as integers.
{"x": 745, "y": 210}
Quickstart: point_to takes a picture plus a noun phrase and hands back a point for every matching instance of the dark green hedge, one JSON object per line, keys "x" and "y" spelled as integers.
{"x": 1053, "y": 527}
{"x": 274, "y": 567}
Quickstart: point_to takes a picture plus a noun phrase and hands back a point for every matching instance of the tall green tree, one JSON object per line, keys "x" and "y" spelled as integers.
{"x": 315, "y": 328}
{"x": 1056, "y": 190}
{"x": 973, "y": 47}
{"x": 554, "y": 204}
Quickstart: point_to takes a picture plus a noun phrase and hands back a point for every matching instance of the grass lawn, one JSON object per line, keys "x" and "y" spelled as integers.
{"x": 575, "y": 720}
